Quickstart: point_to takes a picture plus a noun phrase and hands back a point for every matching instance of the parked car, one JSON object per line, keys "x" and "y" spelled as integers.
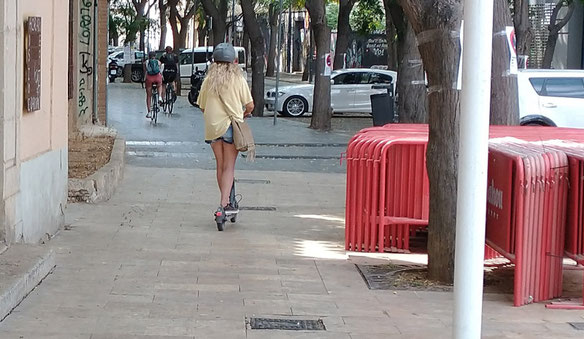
{"x": 551, "y": 97}
{"x": 200, "y": 60}
{"x": 121, "y": 61}
{"x": 350, "y": 92}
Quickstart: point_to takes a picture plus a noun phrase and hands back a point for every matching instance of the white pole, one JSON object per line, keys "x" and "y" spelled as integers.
{"x": 472, "y": 168}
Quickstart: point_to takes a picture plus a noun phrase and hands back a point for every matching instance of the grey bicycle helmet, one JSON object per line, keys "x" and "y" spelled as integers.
{"x": 224, "y": 52}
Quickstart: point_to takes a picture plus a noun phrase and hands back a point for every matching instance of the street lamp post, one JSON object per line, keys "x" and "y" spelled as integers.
{"x": 472, "y": 163}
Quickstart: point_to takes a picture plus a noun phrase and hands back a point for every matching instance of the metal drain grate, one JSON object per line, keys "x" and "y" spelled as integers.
{"x": 578, "y": 326}
{"x": 286, "y": 324}
{"x": 257, "y": 208}
{"x": 252, "y": 181}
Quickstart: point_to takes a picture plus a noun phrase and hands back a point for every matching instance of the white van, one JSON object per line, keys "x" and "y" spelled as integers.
{"x": 551, "y": 97}
{"x": 201, "y": 57}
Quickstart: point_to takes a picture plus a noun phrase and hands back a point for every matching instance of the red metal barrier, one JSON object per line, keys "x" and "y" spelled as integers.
{"x": 574, "y": 245}
{"x": 526, "y": 216}
{"x": 378, "y": 217}
{"x": 384, "y": 181}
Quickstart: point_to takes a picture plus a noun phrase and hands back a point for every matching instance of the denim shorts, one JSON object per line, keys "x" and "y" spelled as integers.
{"x": 227, "y": 137}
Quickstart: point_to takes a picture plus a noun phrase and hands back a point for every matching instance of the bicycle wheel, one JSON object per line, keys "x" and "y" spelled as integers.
{"x": 170, "y": 98}
{"x": 154, "y": 106}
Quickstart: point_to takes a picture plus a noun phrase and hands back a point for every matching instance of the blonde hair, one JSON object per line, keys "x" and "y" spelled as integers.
{"x": 221, "y": 75}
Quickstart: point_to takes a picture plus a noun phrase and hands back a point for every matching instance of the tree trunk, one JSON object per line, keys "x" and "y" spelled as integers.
{"x": 555, "y": 27}
{"x": 308, "y": 52}
{"x": 139, "y": 19}
{"x": 273, "y": 20}
{"x": 245, "y": 45}
{"x": 162, "y": 8}
{"x": 173, "y": 19}
{"x": 182, "y": 36}
{"x": 219, "y": 16}
{"x": 412, "y": 101}
{"x": 202, "y": 34}
{"x": 523, "y": 31}
{"x": 390, "y": 36}
{"x": 343, "y": 32}
{"x": 257, "y": 56}
{"x": 440, "y": 54}
{"x": 321, "y": 107}
{"x": 504, "y": 107}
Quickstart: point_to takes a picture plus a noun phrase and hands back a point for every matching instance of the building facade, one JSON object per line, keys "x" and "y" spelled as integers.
{"x": 33, "y": 118}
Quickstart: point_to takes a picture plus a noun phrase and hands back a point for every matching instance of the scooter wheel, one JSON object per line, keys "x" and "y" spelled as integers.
{"x": 234, "y": 218}
{"x": 192, "y": 98}
{"x": 112, "y": 79}
{"x": 220, "y": 226}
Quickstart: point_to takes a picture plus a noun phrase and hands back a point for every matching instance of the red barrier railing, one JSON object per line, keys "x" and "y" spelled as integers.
{"x": 387, "y": 198}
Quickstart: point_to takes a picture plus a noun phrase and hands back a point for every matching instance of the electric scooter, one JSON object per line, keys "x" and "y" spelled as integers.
{"x": 196, "y": 82}
{"x": 220, "y": 216}
{"x": 113, "y": 71}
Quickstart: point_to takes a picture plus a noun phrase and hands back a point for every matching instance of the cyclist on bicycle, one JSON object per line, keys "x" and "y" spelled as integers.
{"x": 170, "y": 61}
{"x": 153, "y": 76}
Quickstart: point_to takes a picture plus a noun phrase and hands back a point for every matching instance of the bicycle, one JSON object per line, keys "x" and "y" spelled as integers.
{"x": 169, "y": 98}
{"x": 155, "y": 109}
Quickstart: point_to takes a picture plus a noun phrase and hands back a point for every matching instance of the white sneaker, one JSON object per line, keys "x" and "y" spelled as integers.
{"x": 149, "y": 115}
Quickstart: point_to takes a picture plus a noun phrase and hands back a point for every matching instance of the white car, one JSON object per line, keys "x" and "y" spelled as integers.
{"x": 187, "y": 66}
{"x": 350, "y": 92}
{"x": 121, "y": 61}
{"x": 551, "y": 97}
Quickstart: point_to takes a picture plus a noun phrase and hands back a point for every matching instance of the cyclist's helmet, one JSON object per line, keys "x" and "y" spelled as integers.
{"x": 224, "y": 52}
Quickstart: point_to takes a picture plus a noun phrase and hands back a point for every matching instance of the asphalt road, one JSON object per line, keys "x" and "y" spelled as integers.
{"x": 177, "y": 141}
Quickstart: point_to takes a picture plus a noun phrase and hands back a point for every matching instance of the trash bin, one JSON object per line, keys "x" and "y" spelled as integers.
{"x": 382, "y": 109}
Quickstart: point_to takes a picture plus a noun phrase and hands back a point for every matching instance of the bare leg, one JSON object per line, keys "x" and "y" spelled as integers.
{"x": 229, "y": 158}
{"x": 218, "y": 151}
{"x": 160, "y": 93}
{"x": 148, "y": 97}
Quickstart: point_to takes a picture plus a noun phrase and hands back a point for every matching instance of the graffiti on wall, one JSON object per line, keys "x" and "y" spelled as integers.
{"x": 85, "y": 57}
{"x": 366, "y": 51}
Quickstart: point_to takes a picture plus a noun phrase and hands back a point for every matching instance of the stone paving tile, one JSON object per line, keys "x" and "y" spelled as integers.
{"x": 167, "y": 273}
{"x": 43, "y": 335}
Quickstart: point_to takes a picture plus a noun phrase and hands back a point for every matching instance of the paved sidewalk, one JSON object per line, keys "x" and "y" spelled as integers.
{"x": 150, "y": 264}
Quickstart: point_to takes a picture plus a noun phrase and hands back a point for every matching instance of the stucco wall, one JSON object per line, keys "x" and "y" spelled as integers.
{"x": 46, "y": 130}
{"x": 43, "y": 195}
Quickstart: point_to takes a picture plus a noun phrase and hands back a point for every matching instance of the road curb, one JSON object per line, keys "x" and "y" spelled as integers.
{"x": 22, "y": 268}
{"x": 101, "y": 185}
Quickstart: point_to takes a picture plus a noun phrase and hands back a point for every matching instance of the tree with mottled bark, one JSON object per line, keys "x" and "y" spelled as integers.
{"x": 180, "y": 15}
{"x": 523, "y": 31}
{"x": 219, "y": 15}
{"x": 391, "y": 37}
{"x": 343, "y": 32}
{"x": 555, "y": 27}
{"x": 162, "y": 9}
{"x": 142, "y": 7}
{"x": 257, "y": 55}
{"x": 411, "y": 88}
{"x": 437, "y": 24}
{"x": 321, "y": 108}
{"x": 504, "y": 106}
{"x": 273, "y": 15}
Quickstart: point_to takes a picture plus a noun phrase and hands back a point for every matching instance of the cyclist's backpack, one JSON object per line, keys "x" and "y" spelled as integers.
{"x": 152, "y": 67}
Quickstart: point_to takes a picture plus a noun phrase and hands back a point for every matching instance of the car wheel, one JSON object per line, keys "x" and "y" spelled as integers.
{"x": 295, "y": 106}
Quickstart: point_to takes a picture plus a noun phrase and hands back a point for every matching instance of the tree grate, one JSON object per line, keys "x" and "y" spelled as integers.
{"x": 578, "y": 326}
{"x": 257, "y": 208}
{"x": 286, "y": 324}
